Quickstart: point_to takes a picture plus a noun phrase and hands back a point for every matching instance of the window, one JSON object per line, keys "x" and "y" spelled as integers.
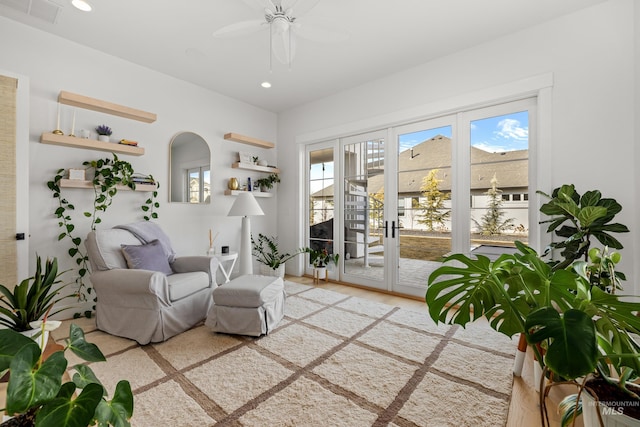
{"x": 199, "y": 185}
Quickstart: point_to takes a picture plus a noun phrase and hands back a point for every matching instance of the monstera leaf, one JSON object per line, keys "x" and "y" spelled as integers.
{"x": 572, "y": 350}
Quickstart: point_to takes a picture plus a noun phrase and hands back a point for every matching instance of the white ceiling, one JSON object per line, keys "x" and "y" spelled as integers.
{"x": 386, "y": 36}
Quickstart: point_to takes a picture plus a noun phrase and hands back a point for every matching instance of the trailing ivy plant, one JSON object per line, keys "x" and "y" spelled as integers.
{"x": 108, "y": 174}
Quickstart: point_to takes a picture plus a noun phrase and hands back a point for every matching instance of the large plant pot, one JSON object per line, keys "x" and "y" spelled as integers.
{"x": 35, "y": 334}
{"x": 265, "y": 270}
{"x": 612, "y": 416}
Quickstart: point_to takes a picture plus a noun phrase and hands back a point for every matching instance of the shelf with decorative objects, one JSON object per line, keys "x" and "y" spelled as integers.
{"x": 236, "y": 137}
{"x": 90, "y": 144}
{"x": 78, "y": 183}
{"x": 252, "y": 167}
{"x": 87, "y": 103}
{"x": 246, "y": 165}
{"x": 255, "y": 193}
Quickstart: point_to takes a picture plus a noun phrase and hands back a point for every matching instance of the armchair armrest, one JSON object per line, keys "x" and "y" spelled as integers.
{"x": 188, "y": 264}
{"x": 134, "y": 288}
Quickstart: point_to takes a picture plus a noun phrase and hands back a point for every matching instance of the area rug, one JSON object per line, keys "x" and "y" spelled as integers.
{"x": 335, "y": 360}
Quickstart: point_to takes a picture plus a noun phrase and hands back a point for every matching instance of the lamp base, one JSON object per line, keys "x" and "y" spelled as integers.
{"x": 246, "y": 261}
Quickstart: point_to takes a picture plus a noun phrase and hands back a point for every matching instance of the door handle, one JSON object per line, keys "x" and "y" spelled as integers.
{"x": 386, "y": 229}
{"x": 394, "y": 228}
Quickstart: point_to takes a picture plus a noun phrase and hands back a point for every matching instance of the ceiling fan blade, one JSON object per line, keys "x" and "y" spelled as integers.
{"x": 242, "y": 28}
{"x": 320, "y": 33}
{"x": 260, "y": 4}
{"x": 283, "y": 46}
{"x": 299, "y": 7}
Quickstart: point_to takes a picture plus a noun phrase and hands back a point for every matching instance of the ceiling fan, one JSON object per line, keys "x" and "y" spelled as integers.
{"x": 283, "y": 26}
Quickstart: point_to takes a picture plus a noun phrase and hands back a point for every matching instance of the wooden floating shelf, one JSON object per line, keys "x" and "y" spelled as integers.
{"x": 85, "y": 102}
{"x": 255, "y": 193}
{"x": 235, "y": 137}
{"x": 251, "y": 167}
{"x": 90, "y": 144}
{"x": 76, "y": 183}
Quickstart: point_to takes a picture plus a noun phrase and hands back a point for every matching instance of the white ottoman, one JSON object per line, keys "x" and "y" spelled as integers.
{"x": 247, "y": 305}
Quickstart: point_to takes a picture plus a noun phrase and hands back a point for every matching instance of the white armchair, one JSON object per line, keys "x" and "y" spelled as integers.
{"x": 144, "y": 305}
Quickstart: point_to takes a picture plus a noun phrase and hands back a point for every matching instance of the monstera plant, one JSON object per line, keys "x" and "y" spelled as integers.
{"x": 575, "y": 324}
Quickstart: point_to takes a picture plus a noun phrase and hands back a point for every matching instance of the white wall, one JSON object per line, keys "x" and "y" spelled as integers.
{"x": 53, "y": 64}
{"x": 591, "y": 56}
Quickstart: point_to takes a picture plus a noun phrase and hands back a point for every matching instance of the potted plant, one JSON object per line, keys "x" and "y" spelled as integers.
{"x": 104, "y": 132}
{"x": 268, "y": 182}
{"x": 321, "y": 259}
{"x": 575, "y": 328}
{"x": 266, "y": 251}
{"x": 36, "y": 395}
{"x": 32, "y": 300}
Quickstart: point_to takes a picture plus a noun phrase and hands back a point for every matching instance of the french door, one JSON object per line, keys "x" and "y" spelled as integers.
{"x": 400, "y": 199}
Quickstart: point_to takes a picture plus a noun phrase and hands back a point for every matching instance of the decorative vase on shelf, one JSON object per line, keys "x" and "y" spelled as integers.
{"x": 103, "y": 138}
{"x": 233, "y": 184}
{"x": 262, "y": 162}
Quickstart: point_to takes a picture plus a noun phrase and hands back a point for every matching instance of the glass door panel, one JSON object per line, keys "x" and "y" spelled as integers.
{"x": 499, "y": 181}
{"x": 363, "y": 201}
{"x": 424, "y": 190}
{"x": 321, "y": 202}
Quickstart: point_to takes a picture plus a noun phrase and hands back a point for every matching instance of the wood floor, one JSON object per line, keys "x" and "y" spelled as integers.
{"x": 524, "y": 409}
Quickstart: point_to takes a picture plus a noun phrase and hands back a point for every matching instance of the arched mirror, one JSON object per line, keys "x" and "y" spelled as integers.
{"x": 189, "y": 169}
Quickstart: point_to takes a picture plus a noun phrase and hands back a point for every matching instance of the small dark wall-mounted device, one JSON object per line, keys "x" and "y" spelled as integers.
{"x": 225, "y": 249}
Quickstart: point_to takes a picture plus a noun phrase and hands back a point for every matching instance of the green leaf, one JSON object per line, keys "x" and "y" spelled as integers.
{"x": 67, "y": 412}
{"x": 588, "y": 215}
{"x": 81, "y": 348}
{"x": 30, "y": 384}
{"x": 70, "y": 228}
{"x": 572, "y": 350}
{"x": 10, "y": 343}
{"x": 84, "y": 376}
{"x": 119, "y": 410}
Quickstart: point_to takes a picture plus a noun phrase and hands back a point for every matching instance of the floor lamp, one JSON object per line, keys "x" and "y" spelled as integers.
{"x": 245, "y": 206}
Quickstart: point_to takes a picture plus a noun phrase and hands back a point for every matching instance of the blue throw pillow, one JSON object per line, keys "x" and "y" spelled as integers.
{"x": 147, "y": 257}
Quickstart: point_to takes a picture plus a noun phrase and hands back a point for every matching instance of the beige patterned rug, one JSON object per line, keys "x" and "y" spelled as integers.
{"x": 335, "y": 360}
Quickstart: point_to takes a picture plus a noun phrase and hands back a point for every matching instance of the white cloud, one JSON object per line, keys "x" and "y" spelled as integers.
{"x": 484, "y": 146}
{"x": 511, "y": 129}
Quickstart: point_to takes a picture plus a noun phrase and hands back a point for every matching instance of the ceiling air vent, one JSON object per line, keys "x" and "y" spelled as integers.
{"x": 41, "y": 9}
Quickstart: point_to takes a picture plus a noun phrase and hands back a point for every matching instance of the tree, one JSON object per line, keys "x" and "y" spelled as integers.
{"x": 492, "y": 223}
{"x": 433, "y": 203}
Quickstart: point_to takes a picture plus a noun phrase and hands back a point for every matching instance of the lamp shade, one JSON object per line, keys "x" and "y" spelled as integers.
{"x": 245, "y": 205}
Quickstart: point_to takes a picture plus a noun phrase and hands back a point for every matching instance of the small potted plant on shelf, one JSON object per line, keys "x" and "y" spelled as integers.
{"x": 104, "y": 132}
{"x": 266, "y": 251}
{"x": 268, "y": 182}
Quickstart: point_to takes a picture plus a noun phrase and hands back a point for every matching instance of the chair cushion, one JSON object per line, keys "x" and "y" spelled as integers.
{"x": 150, "y": 256}
{"x": 248, "y": 291}
{"x": 184, "y": 284}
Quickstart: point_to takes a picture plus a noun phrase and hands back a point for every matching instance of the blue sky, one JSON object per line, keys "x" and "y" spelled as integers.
{"x": 495, "y": 134}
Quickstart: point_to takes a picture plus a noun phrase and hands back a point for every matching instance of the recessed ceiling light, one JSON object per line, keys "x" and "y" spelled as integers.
{"x": 83, "y": 5}
{"x": 265, "y": 85}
